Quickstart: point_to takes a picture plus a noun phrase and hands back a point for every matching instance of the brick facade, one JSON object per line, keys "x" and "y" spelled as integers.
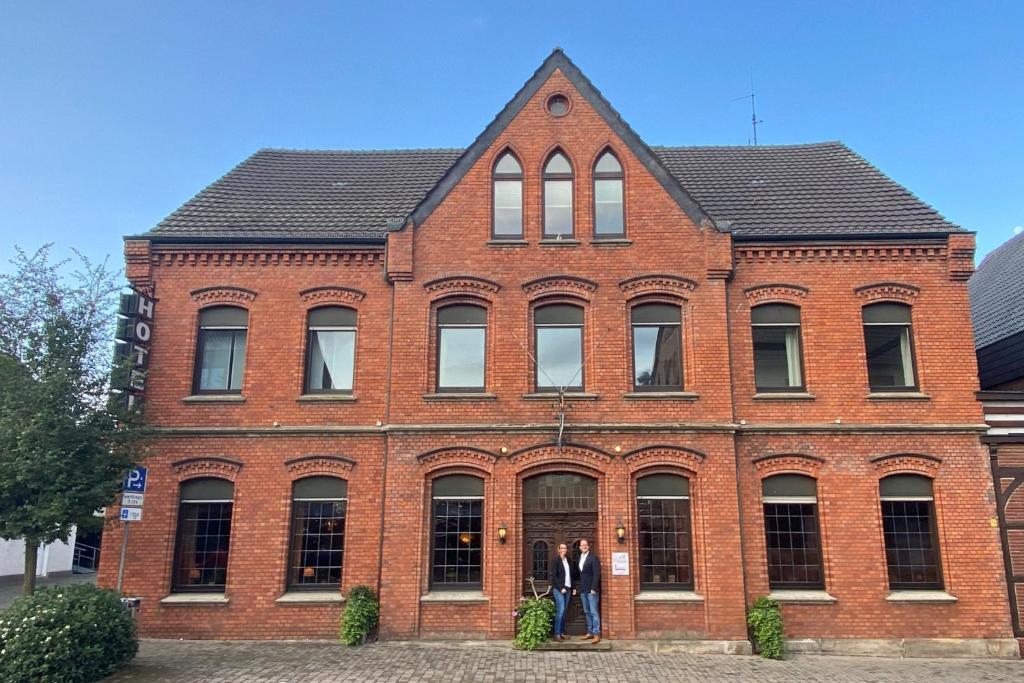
{"x": 398, "y": 433}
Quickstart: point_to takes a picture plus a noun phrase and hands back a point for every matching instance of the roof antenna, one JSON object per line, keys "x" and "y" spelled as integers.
{"x": 753, "y": 110}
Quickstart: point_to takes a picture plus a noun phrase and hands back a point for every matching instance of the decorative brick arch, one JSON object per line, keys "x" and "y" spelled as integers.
{"x": 590, "y": 458}
{"x": 775, "y": 293}
{"x": 347, "y": 296}
{"x": 657, "y": 283}
{"x": 476, "y": 459}
{"x": 238, "y": 296}
{"x": 569, "y": 285}
{"x": 330, "y": 465}
{"x": 663, "y": 456}
{"x": 888, "y": 291}
{"x": 207, "y": 466}
{"x": 462, "y": 285}
{"x": 911, "y": 463}
{"x": 797, "y": 463}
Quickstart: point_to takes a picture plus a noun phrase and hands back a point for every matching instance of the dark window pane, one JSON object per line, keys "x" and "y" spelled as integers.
{"x": 320, "y": 487}
{"x": 203, "y": 544}
{"x": 461, "y": 352}
{"x": 657, "y": 356}
{"x": 775, "y": 314}
{"x": 318, "y": 542}
{"x": 559, "y": 314}
{"x": 223, "y": 360}
{"x": 608, "y": 211}
{"x": 332, "y": 316}
{"x": 331, "y": 360}
{"x": 777, "y": 357}
{"x": 665, "y": 550}
{"x": 663, "y": 485}
{"x": 656, "y": 313}
{"x": 911, "y": 549}
{"x": 457, "y": 540}
{"x": 559, "y": 357}
{"x": 888, "y": 356}
{"x": 789, "y": 485}
{"x": 913, "y": 485}
{"x": 793, "y": 546}
{"x": 462, "y": 315}
{"x": 223, "y": 316}
{"x": 886, "y": 313}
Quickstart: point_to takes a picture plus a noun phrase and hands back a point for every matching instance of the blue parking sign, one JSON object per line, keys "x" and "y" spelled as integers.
{"x": 135, "y": 480}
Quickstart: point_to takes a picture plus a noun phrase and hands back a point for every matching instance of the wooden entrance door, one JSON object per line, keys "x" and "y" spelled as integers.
{"x": 557, "y": 508}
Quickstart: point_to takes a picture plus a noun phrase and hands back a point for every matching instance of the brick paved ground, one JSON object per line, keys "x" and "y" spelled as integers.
{"x": 321, "y": 662}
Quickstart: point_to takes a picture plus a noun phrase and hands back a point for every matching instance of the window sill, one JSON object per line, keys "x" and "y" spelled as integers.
{"x": 803, "y": 597}
{"x": 569, "y": 395}
{"x": 611, "y": 242}
{"x": 326, "y": 398}
{"x": 507, "y": 244}
{"x": 898, "y": 396}
{"x": 310, "y": 598}
{"x": 668, "y": 596}
{"x": 922, "y": 596}
{"x": 214, "y": 398}
{"x": 457, "y": 396}
{"x": 455, "y": 596}
{"x": 783, "y": 396}
{"x": 661, "y": 396}
{"x": 559, "y": 243}
{"x": 195, "y": 599}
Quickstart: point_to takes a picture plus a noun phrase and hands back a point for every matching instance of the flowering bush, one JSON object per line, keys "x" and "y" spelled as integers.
{"x": 68, "y": 634}
{"x": 536, "y": 615}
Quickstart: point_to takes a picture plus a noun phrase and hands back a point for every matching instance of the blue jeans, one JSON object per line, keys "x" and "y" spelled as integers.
{"x": 561, "y": 603}
{"x": 590, "y": 606}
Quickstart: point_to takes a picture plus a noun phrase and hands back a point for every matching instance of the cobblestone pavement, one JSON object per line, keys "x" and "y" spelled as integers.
{"x": 322, "y": 662}
{"x": 10, "y": 589}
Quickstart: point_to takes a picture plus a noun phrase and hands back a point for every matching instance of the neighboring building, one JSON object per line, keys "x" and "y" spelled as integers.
{"x": 53, "y": 558}
{"x": 768, "y": 388}
{"x": 997, "y": 306}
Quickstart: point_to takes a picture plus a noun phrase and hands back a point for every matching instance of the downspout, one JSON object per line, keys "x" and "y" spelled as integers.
{"x": 387, "y": 442}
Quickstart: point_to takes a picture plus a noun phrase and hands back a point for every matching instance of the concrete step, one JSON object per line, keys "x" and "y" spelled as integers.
{"x": 574, "y": 644}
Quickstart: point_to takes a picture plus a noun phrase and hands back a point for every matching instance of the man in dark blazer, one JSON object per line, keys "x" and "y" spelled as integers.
{"x": 590, "y": 589}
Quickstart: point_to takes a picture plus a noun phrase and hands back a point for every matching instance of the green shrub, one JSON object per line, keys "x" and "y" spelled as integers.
{"x": 65, "y": 634}
{"x": 536, "y": 615}
{"x": 766, "y": 621}
{"x": 360, "y": 616}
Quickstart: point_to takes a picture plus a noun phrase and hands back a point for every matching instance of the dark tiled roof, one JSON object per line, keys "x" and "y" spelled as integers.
{"x": 769, "y": 191}
{"x": 997, "y": 294}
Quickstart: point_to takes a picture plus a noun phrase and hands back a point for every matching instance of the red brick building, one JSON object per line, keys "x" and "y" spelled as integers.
{"x": 737, "y": 371}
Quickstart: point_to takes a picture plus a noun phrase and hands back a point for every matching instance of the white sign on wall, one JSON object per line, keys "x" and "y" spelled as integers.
{"x": 131, "y": 500}
{"x": 620, "y": 564}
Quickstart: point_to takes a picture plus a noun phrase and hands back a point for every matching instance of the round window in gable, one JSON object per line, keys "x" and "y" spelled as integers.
{"x": 557, "y": 105}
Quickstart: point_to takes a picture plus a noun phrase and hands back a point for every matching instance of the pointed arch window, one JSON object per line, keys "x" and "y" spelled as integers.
{"x": 609, "y": 213}
{"x": 558, "y": 191}
{"x": 507, "y": 184}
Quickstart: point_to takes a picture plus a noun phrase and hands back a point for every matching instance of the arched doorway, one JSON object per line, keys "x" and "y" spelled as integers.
{"x": 559, "y": 507}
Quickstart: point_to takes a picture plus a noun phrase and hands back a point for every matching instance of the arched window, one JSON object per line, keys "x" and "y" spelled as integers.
{"x": 657, "y": 347}
{"x": 318, "y": 532}
{"x": 461, "y": 347}
{"x": 791, "y": 531}
{"x": 220, "y": 350}
{"x": 508, "y": 198}
{"x": 330, "y": 361}
{"x": 609, "y": 215}
{"x": 457, "y": 538}
{"x": 204, "y": 535}
{"x": 889, "y": 347}
{"x": 558, "y": 340}
{"x": 777, "y": 357}
{"x": 663, "y": 519}
{"x": 558, "y": 192}
{"x": 911, "y": 538}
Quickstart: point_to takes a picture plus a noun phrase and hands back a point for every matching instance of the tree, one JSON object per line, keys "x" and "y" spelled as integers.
{"x": 63, "y": 449}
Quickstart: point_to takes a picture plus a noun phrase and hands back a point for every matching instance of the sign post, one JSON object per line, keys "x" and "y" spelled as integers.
{"x": 132, "y": 491}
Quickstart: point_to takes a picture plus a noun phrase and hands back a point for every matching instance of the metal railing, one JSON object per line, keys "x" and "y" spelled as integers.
{"x": 86, "y": 559}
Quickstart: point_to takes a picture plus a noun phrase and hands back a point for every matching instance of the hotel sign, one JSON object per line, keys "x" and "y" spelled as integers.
{"x": 131, "y": 349}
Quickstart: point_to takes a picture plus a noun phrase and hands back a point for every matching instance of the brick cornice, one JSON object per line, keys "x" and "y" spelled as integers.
{"x": 457, "y": 456}
{"x": 333, "y": 294}
{"x": 816, "y": 254}
{"x": 222, "y": 295}
{"x": 197, "y": 256}
{"x": 891, "y": 463}
{"x": 535, "y": 456}
{"x": 774, "y": 463}
{"x": 319, "y": 464}
{"x": 207, "y": 466}
{"x": 887, "y": 291}
{"x": 759, "y": 294}
{"x": 560, "y": 284}
{"x": 663, "y": 456}
{"x": 657, "y": 283}
{"x": 467, "y": 285}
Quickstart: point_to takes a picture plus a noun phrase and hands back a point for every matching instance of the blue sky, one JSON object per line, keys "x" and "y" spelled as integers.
{"x": 112, "y": 114}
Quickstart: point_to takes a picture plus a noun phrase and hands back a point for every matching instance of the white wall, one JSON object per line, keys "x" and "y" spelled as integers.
{"x": 55, "y": 557}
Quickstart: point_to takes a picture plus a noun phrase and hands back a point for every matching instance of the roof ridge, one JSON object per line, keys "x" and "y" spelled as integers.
{"x": 397, "y": 150}
{"x": 796, "y": 145}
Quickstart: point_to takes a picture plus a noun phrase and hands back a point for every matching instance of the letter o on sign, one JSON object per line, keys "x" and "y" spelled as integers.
{"x": 142, "y": 331}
